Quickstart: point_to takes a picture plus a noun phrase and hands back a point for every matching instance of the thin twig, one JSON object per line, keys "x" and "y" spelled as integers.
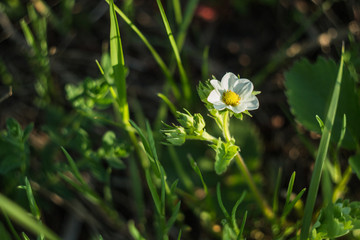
{"x": 9, "y": 94}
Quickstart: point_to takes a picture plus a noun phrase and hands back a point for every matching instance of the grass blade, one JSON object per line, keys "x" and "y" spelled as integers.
{"x": 242, "y": 226}
{"x": 118, "y": 64}
{"x": 73, "y": 167}
{"x": 134, "y": 232}
{"x": 183, "y": 76}
{"x": 173, "y": 217}
{"x": 189, "y": 13}
{"x": 233, "y": 212}
{"x": 290, "y": 188}
{"x": 153, "y": 191}
{"x": 196, "y": 168}
{"x": 168, "y": 103}
{"x": 321, "y": 156}
{"x": 152, "y": 50}
{"x": 222, "y": 207}
{"x": 24, "y": 218}
{"x": 290, "y": 206}
{"x": 177, "y": 11}
{"x": 33, "y": 206}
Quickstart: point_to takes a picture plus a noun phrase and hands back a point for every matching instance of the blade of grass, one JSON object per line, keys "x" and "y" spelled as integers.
{"x": 11, "y": 226}
{"x": 153, "y": 191}
{"x": 196, "y": 168}
{"x": 233, "y": 212}
{"x": 24, "y": 218}
{"x": 136, "y": 189}
{"x": 173, "y": 217}
{"x": 222, "y": 207}
{"x": 183, "y": 76}
{"x": 242, "y": 226}
{"x": 290, "y": 188}
{"x": 189, "y": 13}
{"x": 73, "y": 167}
{"x": 177, "y": 11}
{"x": 118, "y": 64}
{"x": 321, "y": 156}
{"x": 134, "y": 232}
{"x": 290, "y": 206}
{"x": 152, "y": 50}
{"x": 33, "y": 206}
{"x": 168, "y": 103}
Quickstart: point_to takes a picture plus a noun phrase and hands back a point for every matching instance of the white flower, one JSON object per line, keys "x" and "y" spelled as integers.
{"x": 233, "y": 93}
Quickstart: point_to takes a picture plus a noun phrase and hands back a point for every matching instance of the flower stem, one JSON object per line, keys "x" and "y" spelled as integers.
{"x": 226, "y": 132}
{"x": 261, "y": 201}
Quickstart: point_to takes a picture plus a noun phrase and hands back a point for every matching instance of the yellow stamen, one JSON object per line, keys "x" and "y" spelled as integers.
{"x": 231, "y": 98}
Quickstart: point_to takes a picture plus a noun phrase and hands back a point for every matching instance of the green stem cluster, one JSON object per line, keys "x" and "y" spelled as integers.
{"x": 261, "y": 201}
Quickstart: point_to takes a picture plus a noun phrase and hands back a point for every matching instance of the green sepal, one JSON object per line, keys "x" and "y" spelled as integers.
{"x": 176, "y": 135}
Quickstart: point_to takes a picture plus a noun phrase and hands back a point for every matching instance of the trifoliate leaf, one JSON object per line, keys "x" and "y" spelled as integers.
{"x": 338, "y": 219}
{"x": 309, "y": 88}
{"x": 225, "y": 152}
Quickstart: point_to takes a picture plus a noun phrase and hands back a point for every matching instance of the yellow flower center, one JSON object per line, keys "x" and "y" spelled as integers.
{"x": 231, "y": 98}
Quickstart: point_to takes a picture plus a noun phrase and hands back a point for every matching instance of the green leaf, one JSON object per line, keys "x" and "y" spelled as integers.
{"x": 153, "y": 191}
{"x": 134, "y": 231}
{"x": 225, "y": 152}
{"x": 233, "y": 212}
{"x": 33, "y": 206}
{"x": 242, "y": 226}
{"x": 184, "y": 79}
{"x": 222, "y": 207}
{"x": 290, "y": 188}
{"x": 173, "y": 217}
{"x": 322, "y": 152}
{"x": 4, "y": 234}
{"x": 196, "y": 168}
{"x": 24, "y": 218}
{"x": 118, "y": 64}
{"x": 354, "y": 162}
{"x": 336, "y": 220}
{"x": 309, "y": 88}
{"x": 74, "y": 167}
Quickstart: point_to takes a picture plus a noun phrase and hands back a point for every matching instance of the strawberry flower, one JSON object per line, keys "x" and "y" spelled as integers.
{"x": 233, "y": 93}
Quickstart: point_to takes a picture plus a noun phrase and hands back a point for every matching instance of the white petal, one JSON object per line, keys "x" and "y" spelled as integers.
{"x": 219, "y": 105}
{"x": 252, "y": 102}
{"x": 216, "y": 84}
{"x": 243, "y": 87}
{"x": 214, "y": 96}
{"x": 228, "y": 81}
{"x": 239, "y": 108}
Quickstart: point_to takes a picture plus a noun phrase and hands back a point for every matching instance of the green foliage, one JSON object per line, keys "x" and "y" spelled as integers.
{"x": 323, "y": 149}
{"x": 24, "y": 218}
{"x": 4, "y": 234}
{"x": 289, "y": 205}
{"x": 225, "y": 152}
{"x": 336, "y": 220}
{"x": 14, "y": 149}
{"x": 309, "y": 87}
{"x": 354, "y": 162}
{"x": 118, "y": 65}
{"x": 231, "y": 228}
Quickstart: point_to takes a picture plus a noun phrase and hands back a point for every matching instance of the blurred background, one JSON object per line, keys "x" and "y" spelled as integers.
{"x": 47, "y": 56}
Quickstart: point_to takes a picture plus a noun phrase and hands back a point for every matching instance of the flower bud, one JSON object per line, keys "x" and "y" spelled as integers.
{"x": 199, "y": 123}
{"x": 175, "y": 135}
{"x": 185, "y": 119}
